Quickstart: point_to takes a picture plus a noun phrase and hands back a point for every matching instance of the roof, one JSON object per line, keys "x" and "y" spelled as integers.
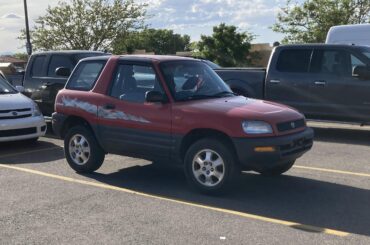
{"x": 159, "y": 58}
{"x": 68, "y": 52}
{"x": 320, "y": 45}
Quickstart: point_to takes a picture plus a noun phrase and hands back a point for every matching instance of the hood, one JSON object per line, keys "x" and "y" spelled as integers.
{"x": 14, "y": 101}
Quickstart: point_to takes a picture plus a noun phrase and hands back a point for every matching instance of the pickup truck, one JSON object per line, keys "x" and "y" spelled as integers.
{"x": 174, "y": 110}
{"x": 324, "y": 82}
{"x": 41, "y": 83}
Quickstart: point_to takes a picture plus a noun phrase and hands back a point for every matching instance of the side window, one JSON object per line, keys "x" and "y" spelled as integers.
{"x": 132, "y": 82}
{"x": 294, "y": 60}
{"x": 59, "y": 61}
{"x": 85, "y": 75}
{"x": 37, "y": 66}
{"x": 335, "y": 62}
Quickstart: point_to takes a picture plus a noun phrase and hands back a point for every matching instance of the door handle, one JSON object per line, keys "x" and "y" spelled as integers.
{"x": 109, "y": 107}
{"x": 320, "y": 83}
{"x": 45, "y": 85}
{"x": 274, "y": 81}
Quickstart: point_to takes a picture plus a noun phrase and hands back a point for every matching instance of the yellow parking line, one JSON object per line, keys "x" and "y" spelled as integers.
{"x": 30, "y": 152}
{"x": 332, "y": 171}
{"x": 221, "y": 210}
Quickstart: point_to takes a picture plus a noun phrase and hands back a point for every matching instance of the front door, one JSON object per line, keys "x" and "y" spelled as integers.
{"x": 129, "y": 125}
{"x": 338, "y": 95}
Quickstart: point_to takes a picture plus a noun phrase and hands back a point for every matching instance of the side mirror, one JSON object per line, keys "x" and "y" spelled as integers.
{"x": 63, "y": 71}
{"x": 155, "y": 96}
{"x": 362, "y": 72}
{"x": 20, "y": 89}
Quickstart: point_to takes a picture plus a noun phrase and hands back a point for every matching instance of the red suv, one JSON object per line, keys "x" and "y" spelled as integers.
{"x": 174, "y": 110}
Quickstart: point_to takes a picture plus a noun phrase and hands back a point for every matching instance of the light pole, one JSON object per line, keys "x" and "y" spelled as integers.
{"x": 28, "y": 42}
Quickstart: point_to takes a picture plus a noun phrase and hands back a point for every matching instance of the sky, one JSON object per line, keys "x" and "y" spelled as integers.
{"x": 192, "y": 17}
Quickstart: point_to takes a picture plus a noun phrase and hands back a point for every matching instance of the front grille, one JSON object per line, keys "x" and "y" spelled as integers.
{"x": 17, "y": 132}
{"x": 15, "y": 113}
{"x": 291, "y": 125}
{"x": 296, "y": 146}
{"x": 17, "y": 110}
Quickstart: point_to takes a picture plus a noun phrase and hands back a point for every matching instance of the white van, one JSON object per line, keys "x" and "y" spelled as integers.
{"x": 20, "y": 118}
{"x": 349, "y": 34}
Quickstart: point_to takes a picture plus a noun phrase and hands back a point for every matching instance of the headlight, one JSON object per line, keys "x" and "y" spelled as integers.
{"x": 36, "y": 110}
{"x": 256, "y": 127}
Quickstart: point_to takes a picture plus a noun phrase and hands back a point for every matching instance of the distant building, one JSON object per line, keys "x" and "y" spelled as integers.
{"x": 19, "y": 63}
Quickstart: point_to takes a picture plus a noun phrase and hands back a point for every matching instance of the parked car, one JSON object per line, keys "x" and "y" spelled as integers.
{"x": 325, "y": 82}
{"x": 20, "y": 117}
{"x": 358, "y": 34}
{"x": 177, "y": 110}
{"x": 41, "y": 82}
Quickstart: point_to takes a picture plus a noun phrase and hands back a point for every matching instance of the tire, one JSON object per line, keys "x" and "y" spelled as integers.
{"x": 82, "y": 151}
{"x": 203, "y": 174}
{"x": 278, "y": 170}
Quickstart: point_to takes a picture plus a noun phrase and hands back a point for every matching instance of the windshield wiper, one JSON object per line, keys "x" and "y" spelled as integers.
{"x": 224, "y": 94}
{"x": 205, "y": 96}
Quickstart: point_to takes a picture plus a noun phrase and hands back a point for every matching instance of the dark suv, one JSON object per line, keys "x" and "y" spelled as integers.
{"x": 41, "y": 81}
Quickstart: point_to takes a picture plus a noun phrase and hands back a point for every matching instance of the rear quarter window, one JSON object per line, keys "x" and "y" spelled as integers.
{"x": 294, "y": 60}
{"x": 85, "y": 75}
{"x": 38, "y": 66}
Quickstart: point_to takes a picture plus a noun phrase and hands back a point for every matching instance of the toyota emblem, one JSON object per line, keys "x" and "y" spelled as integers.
{"x": 14, "y": 113}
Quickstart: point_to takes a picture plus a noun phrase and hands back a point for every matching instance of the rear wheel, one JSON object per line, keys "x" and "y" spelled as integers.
{"x": 82, "y": 151}
{"x": 210, "y": 166}
{"x": 278, "y": 170}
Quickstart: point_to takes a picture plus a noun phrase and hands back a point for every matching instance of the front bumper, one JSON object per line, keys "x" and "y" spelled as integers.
{"x": 22, "y": 128}
{"x": 286, "y": 148}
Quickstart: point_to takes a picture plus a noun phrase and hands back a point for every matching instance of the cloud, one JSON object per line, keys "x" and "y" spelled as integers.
{"x": 12, "y": 16}
{"x": 199, "y": 16}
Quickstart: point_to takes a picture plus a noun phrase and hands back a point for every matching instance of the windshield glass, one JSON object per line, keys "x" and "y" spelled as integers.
{"x": 191, "y": 80}
{"x": 6, "y": 88}
{"x": 366, "y": 52}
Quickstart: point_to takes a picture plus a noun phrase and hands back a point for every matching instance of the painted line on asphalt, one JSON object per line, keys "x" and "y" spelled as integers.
{"x": 332, "y": 171}
{"x": 30, "y": 152}
{"x": 221, "y": 210}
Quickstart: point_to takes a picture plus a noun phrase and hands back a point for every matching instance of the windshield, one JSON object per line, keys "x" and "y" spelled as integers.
{"x": 6, "y": 88}
{"x": 366, "y": 52}
{"x": 191, "y": 80}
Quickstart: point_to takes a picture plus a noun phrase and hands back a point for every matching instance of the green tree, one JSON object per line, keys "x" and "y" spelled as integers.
{"x": 226, "y": 46}
{"x": 86, "y": 24}
{"x": 159, "y": 41}
{"x": 310, "y": 21}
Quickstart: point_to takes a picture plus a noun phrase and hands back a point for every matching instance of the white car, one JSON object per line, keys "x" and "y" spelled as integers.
{"x": 20, "y": 117}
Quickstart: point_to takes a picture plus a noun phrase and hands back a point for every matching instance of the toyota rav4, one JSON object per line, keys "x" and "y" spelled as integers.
{"x": 174, "y": 110}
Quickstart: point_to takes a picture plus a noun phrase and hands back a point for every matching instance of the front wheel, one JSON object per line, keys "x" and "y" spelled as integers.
{"x": 210, "y": 166}
{"x": 277, "y": 170}
{"x": 82, "y": 151}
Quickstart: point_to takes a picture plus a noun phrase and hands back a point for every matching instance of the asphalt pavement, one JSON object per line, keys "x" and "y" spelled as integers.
{"x": 323, "y": 199}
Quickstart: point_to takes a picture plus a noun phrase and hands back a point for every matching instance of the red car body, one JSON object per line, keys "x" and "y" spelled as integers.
{"x": 164, "y": 131}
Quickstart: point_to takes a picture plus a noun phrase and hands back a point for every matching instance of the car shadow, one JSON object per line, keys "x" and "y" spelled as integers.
{"x": 290, "y": 198}
{"x": 20, "y": 152}
{"x": 343, "y": 136}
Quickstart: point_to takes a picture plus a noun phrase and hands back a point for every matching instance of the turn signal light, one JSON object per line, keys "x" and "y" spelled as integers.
{"x": 264, "y": 149}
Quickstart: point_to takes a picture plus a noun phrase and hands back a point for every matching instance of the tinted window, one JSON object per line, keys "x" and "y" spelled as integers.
{"x": 294, "y": 60}
{"x": 59, "y": 61}
{"x": 85, "y": 75}
{"x": 37, "y": 65}
{"x": 132, "y": 82}
{"x": 334, "y": 62}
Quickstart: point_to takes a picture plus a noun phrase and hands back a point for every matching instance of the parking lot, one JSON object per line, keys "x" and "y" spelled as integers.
{"x": 324, "y": 199}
